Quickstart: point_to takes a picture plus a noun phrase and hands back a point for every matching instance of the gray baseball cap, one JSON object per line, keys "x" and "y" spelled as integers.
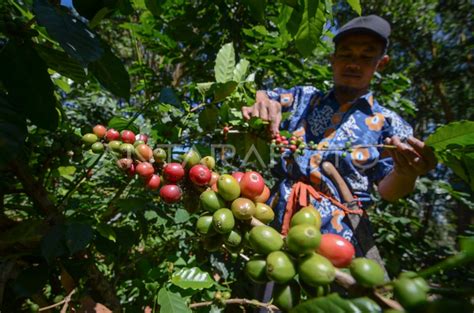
{"x": 372, "y": 24}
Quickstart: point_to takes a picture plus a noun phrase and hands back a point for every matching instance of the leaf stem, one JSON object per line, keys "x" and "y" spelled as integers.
{"x": 456, "y": 260}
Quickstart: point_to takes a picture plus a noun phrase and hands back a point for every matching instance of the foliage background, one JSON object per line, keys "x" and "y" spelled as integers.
{"x": 65, "y": 212}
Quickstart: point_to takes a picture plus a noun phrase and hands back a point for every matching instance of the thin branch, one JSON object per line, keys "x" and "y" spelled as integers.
{"x": 388, "y": 302}
{"x": 198, "y": 107}
{"x": 270, "y": 307}
{"x": 64, "y": 301}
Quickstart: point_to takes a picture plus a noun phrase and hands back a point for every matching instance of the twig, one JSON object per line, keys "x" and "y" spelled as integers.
{"x": 270, "y": 307}
{"x": 345, "y": 148}
{"x": 243, "y": 256}
{"x": 388, "y": 302}
{"x": 64, "y": 301}
{"x": 198, "y": 107}
{"x": 345, "y": 280}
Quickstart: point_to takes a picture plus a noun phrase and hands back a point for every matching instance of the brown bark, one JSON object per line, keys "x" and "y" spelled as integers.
{"x": 441, "y": 94}
{"x": 35, "y": 190}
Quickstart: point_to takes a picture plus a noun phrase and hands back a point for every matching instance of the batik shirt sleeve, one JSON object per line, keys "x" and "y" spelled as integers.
{"x": 294, "y": 103}
{"x": 394, "y": 126}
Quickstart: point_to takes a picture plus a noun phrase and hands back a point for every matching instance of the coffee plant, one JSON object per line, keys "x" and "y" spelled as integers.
{"x": 130, "y": 181}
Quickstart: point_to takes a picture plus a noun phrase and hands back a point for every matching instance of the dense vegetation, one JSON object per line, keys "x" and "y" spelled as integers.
{"x": 75, "y": 230}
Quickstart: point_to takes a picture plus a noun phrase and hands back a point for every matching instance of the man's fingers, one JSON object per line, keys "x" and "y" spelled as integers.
{"x": 256, "y": 109}
{"x": 275, "y": 124}
{"x": 401, "y": 160}
{"x": 246, "y": 111}
{"x": 404, "y": 148}
{"x": 274, "y": 110}
{"x": 264, "y": 111}
{"x": 424, "y": 151}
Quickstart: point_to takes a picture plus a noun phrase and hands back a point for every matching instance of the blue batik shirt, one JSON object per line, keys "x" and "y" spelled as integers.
{"x": 361, "y": 124}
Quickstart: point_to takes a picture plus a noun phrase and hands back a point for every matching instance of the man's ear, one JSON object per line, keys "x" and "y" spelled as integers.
{"x": 383, "y": 62}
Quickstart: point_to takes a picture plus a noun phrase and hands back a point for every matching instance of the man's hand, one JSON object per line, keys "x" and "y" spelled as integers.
{"x": 266, "y": 109}
{"x": 413, "y": 158}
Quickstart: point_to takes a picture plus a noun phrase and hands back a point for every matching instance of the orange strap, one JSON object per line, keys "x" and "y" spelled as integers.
{"x": 299, "y": 198}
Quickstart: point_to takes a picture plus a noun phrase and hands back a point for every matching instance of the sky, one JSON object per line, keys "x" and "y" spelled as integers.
{"x": 67, "y": 3}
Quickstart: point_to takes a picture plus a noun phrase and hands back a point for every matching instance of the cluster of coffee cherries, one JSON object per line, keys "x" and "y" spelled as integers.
{"x": 294, "y": 144}
{"x": 301, "y": 253}
{"x": 136, "y": 157}
{"x": 229, "y": 207}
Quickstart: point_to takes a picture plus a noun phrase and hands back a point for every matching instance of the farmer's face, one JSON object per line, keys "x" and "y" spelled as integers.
{"x": 356, "y": 59}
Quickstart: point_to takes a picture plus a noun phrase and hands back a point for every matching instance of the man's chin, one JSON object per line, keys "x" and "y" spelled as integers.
{"x": 347, "y": 89}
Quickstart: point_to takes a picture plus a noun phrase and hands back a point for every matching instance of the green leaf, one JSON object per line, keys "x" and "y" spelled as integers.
{"x": 61, "y": 82}
{"x": 291, "y": 3}
{"x": 257, "y": 9}
{"x": 224, "y": 113}
{"x": 167, "y": 95}
{"x": 460, "y": 133}
{"x": 154, "y": 7}
{"x": 171, "y": 302}
{"x": 192, "y": 278}
{"x": 111, "y": 73}
{"x": 124, "y": 6}
{"x": 62, "y": 63}
{"x": 203, "y": 88}
{"x": 181, "y": 216}
{"x": 332, "y": 303}
{"x": 222, "y": 91}
{"x": 225, "y": 63}
{"x": 92, "y": 159}
{"x": 119, "y": 124}
{"x": 355, "y": 5}
{"x": 240, "y": 70}
{"x": 66, "y": 170}
{"x": 106, "y": 231}
{"x": 132, "y": 204}
{"x": 24, "y": 233}
{"x": 138, "y": 4}
{"x": 25, "y": 76}
{"x": 99, "y": 16}
{"x": 366, "y": 305}
{"x": 453, "y": 146}
{"x": 310, "y": 27}
{"x": 467, "y": 246}
{"x": 208, "y": 118}
{"x": 150, "y": 215}
{"x": 13, "y": 132}
{"x": 78, "y": 237}
{"x": 53, "y": 243}
{"x": 73, "y": 35}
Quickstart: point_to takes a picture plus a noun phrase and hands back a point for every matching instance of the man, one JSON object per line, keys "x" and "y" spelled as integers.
{"x": 348, "y": 115}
